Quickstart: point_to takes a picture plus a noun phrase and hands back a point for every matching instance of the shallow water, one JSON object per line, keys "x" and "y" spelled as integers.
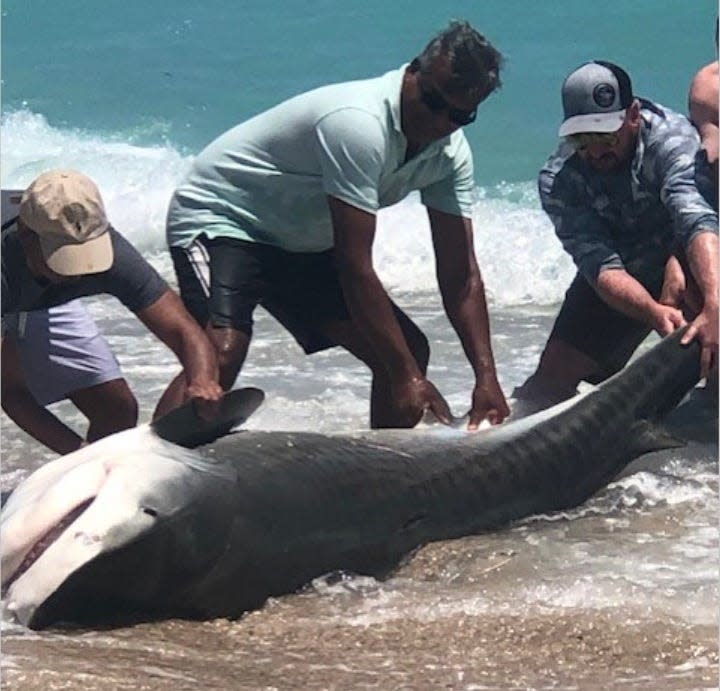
{"x": 622, "y": 591}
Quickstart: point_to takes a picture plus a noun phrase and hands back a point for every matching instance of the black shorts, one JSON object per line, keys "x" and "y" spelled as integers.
{"x": 222, "y": 280}
{"x": 605, "y": 335}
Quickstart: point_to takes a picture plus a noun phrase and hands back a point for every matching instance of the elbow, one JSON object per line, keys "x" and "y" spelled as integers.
{"x": 601, "y": 282}
{"x": 472, "y": 285}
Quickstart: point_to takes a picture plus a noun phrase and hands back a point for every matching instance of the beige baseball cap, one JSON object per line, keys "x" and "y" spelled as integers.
{"x": 64, "y": 208}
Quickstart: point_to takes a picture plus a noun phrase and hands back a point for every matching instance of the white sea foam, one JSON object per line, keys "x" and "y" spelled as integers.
{"x": 136, "y": 181}
{"x": 521, "y": 260}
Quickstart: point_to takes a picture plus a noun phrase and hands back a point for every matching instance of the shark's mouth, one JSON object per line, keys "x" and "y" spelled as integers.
{"x": 38, "y": 549}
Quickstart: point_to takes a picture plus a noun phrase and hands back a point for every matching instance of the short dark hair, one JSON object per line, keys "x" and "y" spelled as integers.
{"x": 474, "y": 61}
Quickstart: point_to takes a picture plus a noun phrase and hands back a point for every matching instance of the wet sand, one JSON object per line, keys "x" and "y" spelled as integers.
{"x": 270, "y": 650}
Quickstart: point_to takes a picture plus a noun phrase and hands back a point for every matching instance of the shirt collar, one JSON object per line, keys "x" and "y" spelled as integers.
{"x": 393, "y": 99}
{"x": 395, "y": 96}
{"x": 639, "y": 154}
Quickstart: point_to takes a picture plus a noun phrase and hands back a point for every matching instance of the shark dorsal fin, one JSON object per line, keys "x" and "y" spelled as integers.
{"x": 184, "y": 427}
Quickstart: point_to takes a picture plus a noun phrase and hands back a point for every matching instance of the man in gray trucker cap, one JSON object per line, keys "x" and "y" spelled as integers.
{"x": 595, "y": 99}
{"x": 621, "y": 192}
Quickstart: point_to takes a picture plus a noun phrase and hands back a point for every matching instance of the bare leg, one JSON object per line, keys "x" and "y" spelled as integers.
{"x": 562, "y": 367}
{"x": 110, "y": 407}
{"x": 231, "y": 347}
{"x": 382, "y": 410}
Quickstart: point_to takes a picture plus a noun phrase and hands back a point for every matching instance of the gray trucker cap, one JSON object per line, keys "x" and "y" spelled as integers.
{"x": 595, "y": 97}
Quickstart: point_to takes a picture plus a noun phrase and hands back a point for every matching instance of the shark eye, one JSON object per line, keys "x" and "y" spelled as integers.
{"x": 150, "y": 512}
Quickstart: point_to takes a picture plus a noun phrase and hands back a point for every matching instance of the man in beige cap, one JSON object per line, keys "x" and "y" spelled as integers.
{"x": 65, "y": 212}
{"x": 59, "y": 354}
{"x": 63, "y": 247}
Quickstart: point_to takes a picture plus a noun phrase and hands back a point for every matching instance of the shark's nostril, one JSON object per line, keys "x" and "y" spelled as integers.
{"x": 150, "y": 512}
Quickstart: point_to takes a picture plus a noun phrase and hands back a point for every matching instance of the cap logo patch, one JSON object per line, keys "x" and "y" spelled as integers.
{"x": 604, "y": 95}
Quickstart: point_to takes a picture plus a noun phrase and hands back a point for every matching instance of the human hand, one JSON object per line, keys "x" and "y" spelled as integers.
{"x": 705, "y": 328}
{"x": 488, "y": 402}
{"x": 666, "y": 319}
{"x": 412, "y": 397}
{"x": 206, "y": 396}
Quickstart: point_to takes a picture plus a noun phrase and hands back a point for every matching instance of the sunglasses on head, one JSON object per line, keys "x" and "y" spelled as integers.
{"x": 436, "y": 102}
{"x": 585, "y": 139}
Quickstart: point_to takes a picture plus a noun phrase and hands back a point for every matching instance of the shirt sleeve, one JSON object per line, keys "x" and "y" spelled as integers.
{"x": 350, "y": 146}
{"x": 453, "y": 194}
{"x": 131, "y": 279}
{"x": 12, "y": 261}
{"x": 674, "y": 162}
{"x": 4, "y": 291}
{"x": 583, "y": 234}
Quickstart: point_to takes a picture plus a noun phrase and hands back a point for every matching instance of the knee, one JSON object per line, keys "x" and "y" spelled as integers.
{"x": 231, "y": 347}
{"x": 125, "y": 408}
{"x": 110, "y": 407}
{"x": 560, "y": 370}
{"x": 230, "y": 344}
{"x": 564, "y": 363}
{"x": 228, "y": 358}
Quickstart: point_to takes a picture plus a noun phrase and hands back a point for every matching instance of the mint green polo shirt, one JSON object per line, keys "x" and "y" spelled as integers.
{"x": 267, "y": 180}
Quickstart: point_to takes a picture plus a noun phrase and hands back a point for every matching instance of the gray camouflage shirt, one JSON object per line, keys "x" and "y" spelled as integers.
{"x": 636, "y": 216}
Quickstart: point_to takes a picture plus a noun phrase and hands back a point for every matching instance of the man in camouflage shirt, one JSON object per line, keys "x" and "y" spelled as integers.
{"x": 621, "y": 192}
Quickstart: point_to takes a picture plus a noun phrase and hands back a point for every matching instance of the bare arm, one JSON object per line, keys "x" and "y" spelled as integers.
{"x": 627, "y": 295}
{"x": 21, "y": 406}
{"x": 703, "y": 257}
{"x": 463, "y": 296}
{"x": 703, "y": 107}
{"x": 372, "y": 313}
{"x": 168, "y": 319}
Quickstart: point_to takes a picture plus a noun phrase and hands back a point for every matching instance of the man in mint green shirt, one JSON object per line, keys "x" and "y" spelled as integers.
{"x": 281, "y": 211}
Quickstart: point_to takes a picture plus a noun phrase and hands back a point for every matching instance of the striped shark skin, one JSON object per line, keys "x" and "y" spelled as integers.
{"x": 138, "y": 526}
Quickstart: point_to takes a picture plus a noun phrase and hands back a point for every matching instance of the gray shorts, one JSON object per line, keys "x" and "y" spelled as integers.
{"x": 62, "y": 351}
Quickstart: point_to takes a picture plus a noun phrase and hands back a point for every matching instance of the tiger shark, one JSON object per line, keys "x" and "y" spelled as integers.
{"x": 180, "y": 518}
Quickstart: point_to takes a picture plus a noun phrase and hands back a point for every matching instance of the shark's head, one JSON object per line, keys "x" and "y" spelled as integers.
{"x": 100, "y": 499}
{"x": 135, "y": 495}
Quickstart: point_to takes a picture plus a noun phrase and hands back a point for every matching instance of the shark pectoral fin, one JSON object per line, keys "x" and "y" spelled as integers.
{"x": 646, "y": 437}
{"x": 184, "y": 427}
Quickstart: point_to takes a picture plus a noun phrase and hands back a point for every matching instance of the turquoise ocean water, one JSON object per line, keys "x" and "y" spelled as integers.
{"x": 180, "y": 73}
{"x": 130, "y": 91}
{"x": 620, "y": 592}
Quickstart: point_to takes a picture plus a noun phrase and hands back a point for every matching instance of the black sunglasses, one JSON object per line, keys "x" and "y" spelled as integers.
{"x": 436, "y": 102}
